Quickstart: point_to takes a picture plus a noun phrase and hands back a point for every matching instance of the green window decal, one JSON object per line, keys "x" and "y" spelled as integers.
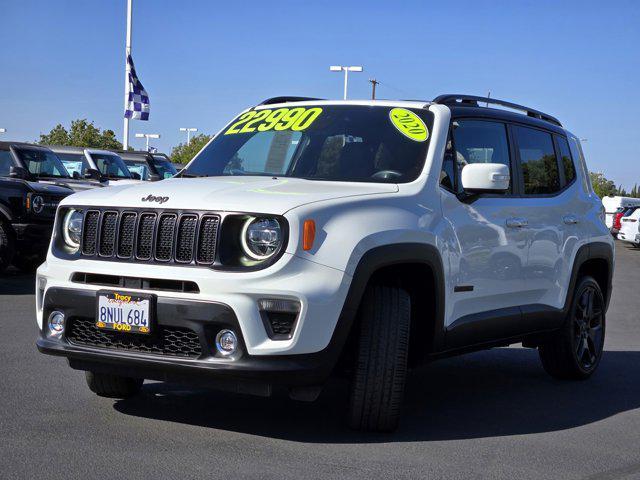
{"x": 409, "y": 124}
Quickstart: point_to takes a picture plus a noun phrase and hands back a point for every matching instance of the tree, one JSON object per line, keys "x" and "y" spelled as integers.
{"x": 82, "y": 133}
{"x": 601, "y": 185}
{"x": 183, "y": 152}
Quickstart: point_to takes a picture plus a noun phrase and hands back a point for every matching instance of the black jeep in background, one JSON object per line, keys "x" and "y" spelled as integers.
{"x": 29, "y": 196}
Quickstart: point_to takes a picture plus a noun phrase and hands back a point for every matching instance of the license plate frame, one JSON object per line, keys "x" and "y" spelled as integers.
{"x": 121, "y": 298}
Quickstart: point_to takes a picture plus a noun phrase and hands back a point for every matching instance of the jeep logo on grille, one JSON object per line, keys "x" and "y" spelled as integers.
{"x": 153, "y": 198}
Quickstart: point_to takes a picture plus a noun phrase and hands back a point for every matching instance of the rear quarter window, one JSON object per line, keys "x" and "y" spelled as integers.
{"x": 566, "y": 160}
{"x": 538, "y": 161}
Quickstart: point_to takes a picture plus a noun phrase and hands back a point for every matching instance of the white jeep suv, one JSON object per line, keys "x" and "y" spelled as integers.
{"x": 314, "y": 237}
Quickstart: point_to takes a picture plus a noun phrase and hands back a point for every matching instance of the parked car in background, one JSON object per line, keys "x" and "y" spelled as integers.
{"x": 31, "y": 162}
{"x": 28, "y": 205}
{"x": 89, "y": 163}
{"x": 630, "y": 228}
{"x": 148, "y": 166}
{"x": 613, "y": 203}
{"x": 618, "y": 216}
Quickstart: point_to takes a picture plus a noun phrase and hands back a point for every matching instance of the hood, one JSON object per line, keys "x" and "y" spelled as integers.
{"x": 239, "y": 194}
{"x": 49, "y": 188}
{"x": 123, "y": 181}
{"x": 75, "y": 185}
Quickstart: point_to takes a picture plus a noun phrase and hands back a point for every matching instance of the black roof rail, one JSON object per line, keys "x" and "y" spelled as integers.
{"x": 473, "y": 101}
{"x": 272, "y": 100}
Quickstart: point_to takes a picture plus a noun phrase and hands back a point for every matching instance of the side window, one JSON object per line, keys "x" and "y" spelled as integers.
{"x": 478, "y": 141}
{"x": 538, "y": 161}
{"x": 5, "y": 163}
{"x": 565, "y": 158}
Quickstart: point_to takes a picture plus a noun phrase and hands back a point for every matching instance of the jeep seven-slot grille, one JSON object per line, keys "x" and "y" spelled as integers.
{"x": 143, "y": 236}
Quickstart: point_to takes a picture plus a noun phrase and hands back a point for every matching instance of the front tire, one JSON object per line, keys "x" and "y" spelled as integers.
{"x": 113, "y": 386}
{"x": 574, "y": 351}
{"x": 377, "y": 386}
{"x": 7, "y": 245}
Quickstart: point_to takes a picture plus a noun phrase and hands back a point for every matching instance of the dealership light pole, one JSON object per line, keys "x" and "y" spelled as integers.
{"x": 346, "y": 70}
{"x": 188, "y": 130}
{"x": 147, "y": 136}
{"x": 127, "y": 52}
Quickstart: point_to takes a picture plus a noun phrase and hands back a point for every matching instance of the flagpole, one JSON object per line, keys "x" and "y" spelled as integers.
{"x": 125, "y": 136}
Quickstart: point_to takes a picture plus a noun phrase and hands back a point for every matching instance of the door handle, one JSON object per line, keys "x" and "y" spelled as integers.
{"x": 517, "y": 222}
{"x": 570, "y": 219}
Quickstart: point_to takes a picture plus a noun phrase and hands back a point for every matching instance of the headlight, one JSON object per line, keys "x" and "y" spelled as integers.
{"x": 261, "y": 238}
{"x": 72, "y": 228}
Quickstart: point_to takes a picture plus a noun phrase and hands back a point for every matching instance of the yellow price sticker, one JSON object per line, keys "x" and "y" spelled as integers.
{"x": 296, "y": 119}
{"x": 409, "y": 124}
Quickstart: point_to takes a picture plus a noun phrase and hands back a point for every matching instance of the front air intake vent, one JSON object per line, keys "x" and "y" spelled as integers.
{"x": 90, "y": 232}
{"x": 144, "y": 240}
{"x": 108, "y": 234}
{"x": 207, "y": 239}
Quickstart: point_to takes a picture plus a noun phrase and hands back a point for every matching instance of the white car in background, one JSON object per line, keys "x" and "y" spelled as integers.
{"x": 613, "y": 203}
{"x": 103, "y": 165}
{"x": 630, "y": 228}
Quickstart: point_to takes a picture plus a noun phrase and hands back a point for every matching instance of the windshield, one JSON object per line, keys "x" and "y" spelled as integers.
{"x": 164, "y": 167}
{"x": 74, "y": 162}
{"x": 139, "y": 167}
{"x": 42, "y": 163}
{"x": 329, "y": 142}
{"x": 110, "y": 165}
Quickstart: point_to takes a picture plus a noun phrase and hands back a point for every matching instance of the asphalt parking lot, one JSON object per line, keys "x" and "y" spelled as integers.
{"x": 493, "y": 414}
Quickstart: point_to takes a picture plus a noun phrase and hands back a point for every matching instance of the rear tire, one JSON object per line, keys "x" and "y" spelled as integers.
{"x": 7, "y": 245}
{"x": 574, "y": 351}
{"x": 113, "y": 386}
{"x": 380, "y": 372}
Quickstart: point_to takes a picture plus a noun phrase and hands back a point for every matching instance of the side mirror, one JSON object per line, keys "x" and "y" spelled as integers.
{"x": 75, "y": 175}
{"x": 136, "y": 176}
{"x": 92, "y": 173}
{"x": 485, "y": 178}
{"x": 154, "y": 177}
{"x": 18, "y": 172}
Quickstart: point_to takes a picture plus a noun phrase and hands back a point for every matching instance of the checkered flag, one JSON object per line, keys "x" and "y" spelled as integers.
{"x": 138, "y": 100}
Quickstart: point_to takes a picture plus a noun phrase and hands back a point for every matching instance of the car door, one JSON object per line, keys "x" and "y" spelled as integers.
{"x": 487, "y": 241}
{"x": 552, "y": 212}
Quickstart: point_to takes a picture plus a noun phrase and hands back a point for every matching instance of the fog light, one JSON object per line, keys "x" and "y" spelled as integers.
{"x": 226, "y": 342}
{"x": 56, "y": 324}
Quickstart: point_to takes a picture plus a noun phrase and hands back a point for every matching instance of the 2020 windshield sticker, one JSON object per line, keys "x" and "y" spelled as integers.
{"x": 409, "y": 124}
{"x": 296, "y": 119}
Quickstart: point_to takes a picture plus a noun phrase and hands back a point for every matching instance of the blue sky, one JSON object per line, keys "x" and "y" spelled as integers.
{"x": 203, "y": 61}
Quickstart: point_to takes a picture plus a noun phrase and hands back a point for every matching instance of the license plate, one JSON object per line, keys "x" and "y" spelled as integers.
{"x": 124, "y": 312}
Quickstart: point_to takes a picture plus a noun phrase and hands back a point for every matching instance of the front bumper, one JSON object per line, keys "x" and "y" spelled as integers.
{"x": 243, "y": 373}
{"x": 225, "y": 300}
